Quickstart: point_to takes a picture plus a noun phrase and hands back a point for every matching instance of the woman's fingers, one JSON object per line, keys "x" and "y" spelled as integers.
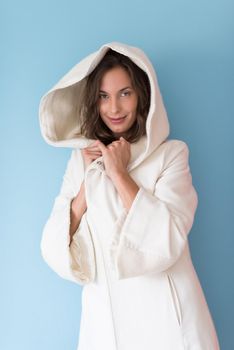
{"x": 91, "y": 153}
{"x": 102, "y": 148}
{"x": 97, "y": 148}
{"x": 91, "y": 150}
{"x": 119, "y": 143}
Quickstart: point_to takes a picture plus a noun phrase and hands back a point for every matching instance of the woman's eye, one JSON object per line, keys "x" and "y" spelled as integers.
{"x": 125, "y": 93}
{"x": 103, "y": 96}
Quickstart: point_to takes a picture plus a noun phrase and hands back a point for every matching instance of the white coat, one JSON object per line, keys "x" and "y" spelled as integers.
{"x": 140, "y": 289}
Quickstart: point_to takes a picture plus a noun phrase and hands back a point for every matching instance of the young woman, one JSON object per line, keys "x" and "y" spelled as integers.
{"x": 120, "y": 223}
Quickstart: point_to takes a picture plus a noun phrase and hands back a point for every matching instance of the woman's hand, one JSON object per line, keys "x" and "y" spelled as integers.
{"x": 116, "y": 157}
{"x": 91, "y": 153}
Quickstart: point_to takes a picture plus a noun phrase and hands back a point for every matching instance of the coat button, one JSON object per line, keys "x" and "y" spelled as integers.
{"x": 101, "y": 165}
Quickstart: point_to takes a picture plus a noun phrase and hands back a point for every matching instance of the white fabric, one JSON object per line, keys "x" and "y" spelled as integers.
{"x": 140, "y": 289}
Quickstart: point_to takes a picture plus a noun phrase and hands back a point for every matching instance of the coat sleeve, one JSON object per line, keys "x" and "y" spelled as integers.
{"x": 73, "y": 260}
{"x": 153, "y": 234}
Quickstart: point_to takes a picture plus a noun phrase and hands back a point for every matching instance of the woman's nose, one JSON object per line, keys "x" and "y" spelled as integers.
{"x": 114, "y": 105}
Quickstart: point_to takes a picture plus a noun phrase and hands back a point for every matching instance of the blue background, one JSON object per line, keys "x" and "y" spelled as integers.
{"x": 191, "y": 45}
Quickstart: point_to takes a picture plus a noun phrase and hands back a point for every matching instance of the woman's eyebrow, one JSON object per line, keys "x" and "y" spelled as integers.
{"x": 127, "y": 87}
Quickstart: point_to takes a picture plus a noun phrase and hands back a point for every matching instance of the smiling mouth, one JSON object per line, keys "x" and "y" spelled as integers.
{"x": 117, "y": 120}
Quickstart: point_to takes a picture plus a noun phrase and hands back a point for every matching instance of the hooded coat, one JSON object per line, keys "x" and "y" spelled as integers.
{"x": 140, "y": 289}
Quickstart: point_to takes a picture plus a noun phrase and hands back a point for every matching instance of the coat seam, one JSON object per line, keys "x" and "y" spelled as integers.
{"x": 177, "y": 307}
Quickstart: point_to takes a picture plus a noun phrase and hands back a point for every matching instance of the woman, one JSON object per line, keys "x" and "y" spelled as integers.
{"x": 120, "y": 223}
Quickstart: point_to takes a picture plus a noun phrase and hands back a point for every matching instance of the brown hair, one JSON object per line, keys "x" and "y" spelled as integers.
{"x": 92, "y": 125}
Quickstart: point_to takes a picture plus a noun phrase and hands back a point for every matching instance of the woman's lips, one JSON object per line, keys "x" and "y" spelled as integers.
{"x": 117, "y": 120}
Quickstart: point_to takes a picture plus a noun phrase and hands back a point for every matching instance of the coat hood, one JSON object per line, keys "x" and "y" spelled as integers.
{"x": 59, "y": 119}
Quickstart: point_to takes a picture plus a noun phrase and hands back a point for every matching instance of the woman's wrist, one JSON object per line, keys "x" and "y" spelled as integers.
{"x": 78, "y": 204}
{"x": 119, "y": 176}
{"x": 126, "y": 188}
{"x": 78, "y": 208}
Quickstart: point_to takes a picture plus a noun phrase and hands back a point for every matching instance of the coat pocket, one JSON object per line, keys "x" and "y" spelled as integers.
{"x": 175, "y": 299}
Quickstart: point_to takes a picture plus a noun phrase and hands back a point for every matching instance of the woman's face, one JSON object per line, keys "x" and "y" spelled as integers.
{"x": 117, "y": 101}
